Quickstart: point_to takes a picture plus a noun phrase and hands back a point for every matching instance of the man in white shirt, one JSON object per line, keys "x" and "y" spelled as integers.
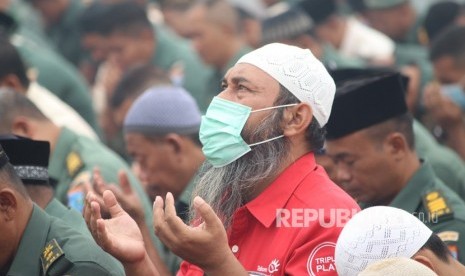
{"x": 349, "y": 35}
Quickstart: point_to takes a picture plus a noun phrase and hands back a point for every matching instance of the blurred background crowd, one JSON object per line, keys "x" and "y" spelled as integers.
{"x": 96, "y": 57}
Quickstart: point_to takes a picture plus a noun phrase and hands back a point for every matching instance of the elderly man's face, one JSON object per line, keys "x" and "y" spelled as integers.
{"x": 247, "y": 85}
{"x": 156, "y": 162}
{"x": 364, "y": 169}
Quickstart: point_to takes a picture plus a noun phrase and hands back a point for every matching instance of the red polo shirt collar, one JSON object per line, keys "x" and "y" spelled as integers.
{"x": 278, "y": 193}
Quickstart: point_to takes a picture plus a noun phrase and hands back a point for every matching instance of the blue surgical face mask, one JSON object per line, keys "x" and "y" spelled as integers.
{"x": 455, "y": 93}
{"x": 220, "y": 131}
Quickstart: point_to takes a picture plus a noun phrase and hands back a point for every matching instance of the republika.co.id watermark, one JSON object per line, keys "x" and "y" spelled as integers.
{"x": 328, "y": 218}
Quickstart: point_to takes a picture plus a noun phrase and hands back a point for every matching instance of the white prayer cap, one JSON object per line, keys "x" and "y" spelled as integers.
{"x": 300, "y": 72}
{"x": 378, "y": 233}
{"x": 397, "y": 266}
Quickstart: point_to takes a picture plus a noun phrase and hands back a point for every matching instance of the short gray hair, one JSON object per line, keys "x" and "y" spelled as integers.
{"x": 315, "y": 133}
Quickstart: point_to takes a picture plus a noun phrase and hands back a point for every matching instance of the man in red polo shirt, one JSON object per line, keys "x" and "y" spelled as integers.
{"x": 281, "y": 212}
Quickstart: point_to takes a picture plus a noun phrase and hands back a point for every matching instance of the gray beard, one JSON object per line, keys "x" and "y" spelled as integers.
{"x": 227, "y": 188}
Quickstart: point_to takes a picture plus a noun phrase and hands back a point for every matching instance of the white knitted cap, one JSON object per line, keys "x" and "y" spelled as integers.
{"x": 300, "y": 72}
{"x": 397, "y": 266}
{"x": 378, "y": 233}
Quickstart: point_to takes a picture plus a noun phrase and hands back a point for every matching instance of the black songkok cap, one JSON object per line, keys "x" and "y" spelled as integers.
{"x": 28, "y": 157}
{"x": 342, "y": 75}
{"x": 365, "y": 101}
{"x": 318, "y": 10}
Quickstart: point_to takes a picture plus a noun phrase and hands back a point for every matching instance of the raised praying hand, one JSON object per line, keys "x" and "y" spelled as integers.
{"x": 119, "y": 235}
{"x": 205, "y": 245}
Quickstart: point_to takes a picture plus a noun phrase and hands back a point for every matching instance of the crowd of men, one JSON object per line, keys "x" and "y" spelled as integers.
{"x": 232, "y": 137}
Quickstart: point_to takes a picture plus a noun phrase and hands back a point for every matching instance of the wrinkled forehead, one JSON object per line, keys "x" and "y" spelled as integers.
{"x": 244, "y": 72}
{"x": 349, "y": 144}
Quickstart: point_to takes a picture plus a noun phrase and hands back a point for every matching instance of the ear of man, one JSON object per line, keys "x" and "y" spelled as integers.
{"x": 175, "y": 143}
{"x": 22, "y": 126}
{"x": 425, "y": 260}
{"x": 397, "y": 145}
{"x": 8, "y": 204}
{"x": 296, "y": 119}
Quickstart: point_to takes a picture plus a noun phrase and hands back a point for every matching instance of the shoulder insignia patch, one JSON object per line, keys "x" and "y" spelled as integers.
{"x": 51, "y": 252}
{"x": 77, "y": 193}
{"x": 176, "y": 73}
{"x": 73, "y": 163}
{"x": 80, "y": 179}
{"x": 449, "y": 236}
{"x": 436, "y": 205}
{"x": 453, "y": 250}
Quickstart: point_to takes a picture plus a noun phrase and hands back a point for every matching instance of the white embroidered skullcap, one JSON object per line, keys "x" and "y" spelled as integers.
{"x": 300, "y": 72}
{"x": 397, "y": 266}
{"x": 378, "y": 233}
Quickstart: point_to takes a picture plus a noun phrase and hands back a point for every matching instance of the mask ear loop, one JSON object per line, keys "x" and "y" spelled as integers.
{"x": 273, "y": 107}
{"x": 265, "y": 141}
{"x": 269, "y": 108}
